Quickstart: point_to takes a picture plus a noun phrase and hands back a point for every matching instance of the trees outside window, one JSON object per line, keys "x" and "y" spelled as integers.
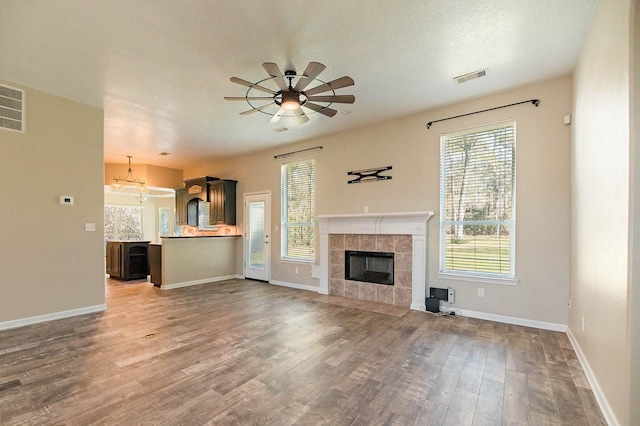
{"x": 298, "y": 210}
{"x": 123, "y": 223}
{"x": 477, "y": 197}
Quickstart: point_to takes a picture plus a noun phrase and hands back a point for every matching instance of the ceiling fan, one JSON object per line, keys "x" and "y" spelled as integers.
{"x": 293, "y": 98}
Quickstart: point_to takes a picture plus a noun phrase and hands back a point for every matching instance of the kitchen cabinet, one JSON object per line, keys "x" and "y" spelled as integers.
{"x": 127, "y": 260}
{"x": 187, "y": 200}
{"x": 181, "y": 206}
{"x": 197, "y": 188}
{"x": 222, "y": 199}
{"x": 155, "y": 264}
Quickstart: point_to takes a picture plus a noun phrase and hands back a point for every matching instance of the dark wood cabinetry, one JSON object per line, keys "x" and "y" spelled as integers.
{"x": 187, "y": 200}
{"x": 197, "y": 188}
{"x": 127, "y": 260}
{"x": 181, "y": 206}
{"x": 222, "y": 199}
{"x": 155, "y": 264}
{"x": 221, "y": 195}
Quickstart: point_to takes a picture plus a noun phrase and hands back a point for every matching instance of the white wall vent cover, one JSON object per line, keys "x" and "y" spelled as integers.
{"x": 12, "y": 109}
{"x": 472, "y": 75}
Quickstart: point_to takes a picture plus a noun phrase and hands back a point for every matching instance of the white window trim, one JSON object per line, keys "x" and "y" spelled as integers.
{"x": 484, "y": 279}
{"x": 294, "y": 260}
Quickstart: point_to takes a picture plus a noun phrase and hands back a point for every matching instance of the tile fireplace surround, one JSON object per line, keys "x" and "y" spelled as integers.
{"x": 405, "y": 234}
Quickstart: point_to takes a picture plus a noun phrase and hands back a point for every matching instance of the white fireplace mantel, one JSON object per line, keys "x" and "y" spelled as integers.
{"x": 410, "y": 223}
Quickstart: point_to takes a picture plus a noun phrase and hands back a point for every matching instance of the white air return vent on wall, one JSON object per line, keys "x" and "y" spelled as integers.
{"x": 12, "y": 109}
{"x": 472, "y": 75}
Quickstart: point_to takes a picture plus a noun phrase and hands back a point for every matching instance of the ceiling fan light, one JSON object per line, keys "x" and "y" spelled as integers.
{"x": 290, "y": 104}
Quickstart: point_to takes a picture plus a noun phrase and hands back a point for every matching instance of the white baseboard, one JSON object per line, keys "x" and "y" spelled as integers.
{"x": 508, "y": 320}
{"x": 198, "y": 282}
{"x": 294, "y": 285}
{"x": 607, "y": 412}
{"x": 50, "y": 317}
{"x": 418, "y": 307}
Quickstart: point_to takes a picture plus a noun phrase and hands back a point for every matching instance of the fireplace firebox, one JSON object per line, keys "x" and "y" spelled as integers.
{"x": 369, "y": 266}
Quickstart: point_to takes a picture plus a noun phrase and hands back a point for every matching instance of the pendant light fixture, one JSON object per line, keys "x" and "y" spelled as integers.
{"x": 129, "y": 180}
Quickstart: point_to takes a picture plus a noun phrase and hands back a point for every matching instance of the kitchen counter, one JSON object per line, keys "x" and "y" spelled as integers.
{"x": 168, "y": 237}
{"x": 191, "y": 260}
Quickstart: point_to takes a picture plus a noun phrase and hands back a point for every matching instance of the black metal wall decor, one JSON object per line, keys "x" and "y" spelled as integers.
{"x": 369, "y": 175}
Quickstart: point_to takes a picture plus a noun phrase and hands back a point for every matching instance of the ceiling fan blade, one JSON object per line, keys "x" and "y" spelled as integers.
{"x": 277, "y": 115}
{"x": 329, "y": 112}
{"x": 332, "y": 85}
{"x": 341, "y": 99}
{"x": 249, "y": 98}
{"x": 300, "y": 115}
{"x": 274, "y": 71}
{"x": 312, "y": 71}
{"x": 260, "y": 108}
{"x": 251, "y": 85}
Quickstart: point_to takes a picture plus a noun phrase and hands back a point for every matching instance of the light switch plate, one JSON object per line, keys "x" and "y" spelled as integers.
{"x": 90, "y": 227}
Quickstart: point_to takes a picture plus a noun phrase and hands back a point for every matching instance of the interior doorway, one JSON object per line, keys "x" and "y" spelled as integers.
{"x": 257, "y": 236}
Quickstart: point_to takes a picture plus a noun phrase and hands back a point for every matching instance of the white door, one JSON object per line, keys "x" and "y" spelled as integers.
{"x": 257, "y": 236}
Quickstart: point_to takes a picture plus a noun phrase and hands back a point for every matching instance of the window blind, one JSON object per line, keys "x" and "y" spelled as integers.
{"x": 477, "y": 195}
{"x": 298, "y": 210}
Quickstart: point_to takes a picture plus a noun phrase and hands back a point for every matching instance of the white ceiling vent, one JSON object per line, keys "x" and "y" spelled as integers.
{"x": 11, "y": 109}
{"x": 472, "y": 75}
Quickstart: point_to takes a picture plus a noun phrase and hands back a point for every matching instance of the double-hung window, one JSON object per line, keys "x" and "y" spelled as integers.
{"x": 298, "y": 210}
{"x": 477, "y": 201}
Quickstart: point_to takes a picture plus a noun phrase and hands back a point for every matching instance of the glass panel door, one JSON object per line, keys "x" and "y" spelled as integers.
{"x": 257, "y": 235}
{"x": 257, "y": 251}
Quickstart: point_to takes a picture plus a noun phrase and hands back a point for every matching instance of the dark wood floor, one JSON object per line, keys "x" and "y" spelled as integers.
{"x": 243, "y": 352}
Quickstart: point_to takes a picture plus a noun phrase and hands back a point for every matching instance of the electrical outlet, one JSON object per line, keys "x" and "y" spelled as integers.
{"x": 583, "y": 323}
{"x": 451, "y": 295}
{"x": 297, "y": 270}
{"x": 366, "y": 209}
{"x": 481, "y": 292}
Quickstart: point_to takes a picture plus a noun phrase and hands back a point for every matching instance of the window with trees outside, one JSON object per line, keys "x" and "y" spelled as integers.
{"x": 298, "y": 210}
{"x": 123, "y": 223}
{"x": 477, "y": 201}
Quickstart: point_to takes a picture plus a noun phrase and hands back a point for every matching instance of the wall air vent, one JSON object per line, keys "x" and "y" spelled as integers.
{"x": 472, "y": 75}
{"x": 12, "y": 109}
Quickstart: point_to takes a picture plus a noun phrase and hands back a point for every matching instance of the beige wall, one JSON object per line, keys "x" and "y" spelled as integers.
{"x": 543, "y": 182}
{"x": 600, "y": 205}
{"x": 49, "y": 263}
{"x": 156, "y": 176}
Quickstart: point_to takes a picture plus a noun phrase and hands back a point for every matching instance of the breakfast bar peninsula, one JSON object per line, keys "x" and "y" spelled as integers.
{"x": 190, "y": 260}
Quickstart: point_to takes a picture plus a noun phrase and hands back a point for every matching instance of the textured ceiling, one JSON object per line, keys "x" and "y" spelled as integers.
{"x": 160, "y": 68}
